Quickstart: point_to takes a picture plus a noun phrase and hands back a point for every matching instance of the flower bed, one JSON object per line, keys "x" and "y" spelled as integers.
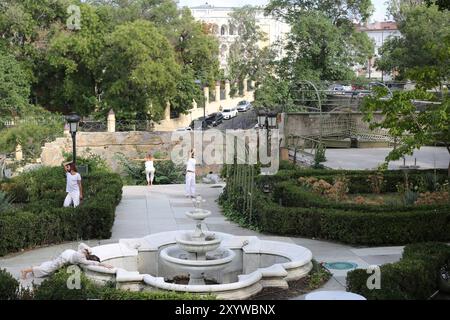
{"x": 291, "y": 209}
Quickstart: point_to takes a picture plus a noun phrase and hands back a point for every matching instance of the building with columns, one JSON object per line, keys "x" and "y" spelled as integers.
{"x": 219, "y": 18}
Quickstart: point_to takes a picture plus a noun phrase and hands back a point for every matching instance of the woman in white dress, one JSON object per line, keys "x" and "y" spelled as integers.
{"x": 69, "y": 257}
{"x": 190, "y": 175}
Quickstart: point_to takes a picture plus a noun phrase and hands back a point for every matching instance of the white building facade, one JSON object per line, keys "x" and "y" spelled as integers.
{"x": 219, "y": 18}
{"x": 379, "y": 32}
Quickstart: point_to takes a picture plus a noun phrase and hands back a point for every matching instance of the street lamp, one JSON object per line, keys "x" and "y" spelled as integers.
{"x": 199, "y": 83}
{"x": 272, "y": 120}
{"x": 262, "y": 119}
{"x": 73, "y": 119}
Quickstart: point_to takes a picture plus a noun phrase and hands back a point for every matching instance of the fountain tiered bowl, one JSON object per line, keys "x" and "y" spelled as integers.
{"x": 190, "y": 255}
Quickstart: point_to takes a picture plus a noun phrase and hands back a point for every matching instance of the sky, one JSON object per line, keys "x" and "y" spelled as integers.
{"x": 379, "y": 15}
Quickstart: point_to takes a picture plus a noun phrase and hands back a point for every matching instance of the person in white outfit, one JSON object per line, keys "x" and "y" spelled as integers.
{"x": 190, "y": 175}
{"x": 74, "y": 188}
{"x": 69, "y": 257}
{"x": 150, "y": 167}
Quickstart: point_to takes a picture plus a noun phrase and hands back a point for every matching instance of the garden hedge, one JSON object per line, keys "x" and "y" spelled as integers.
{"x": 353, "y": 227}
{"x": 358, "y": 178}
{"x": 55, "y": 288}
{"x": 291, "y": 210}
{"x": 414, "y": 277}
{"x": 290, "y": 194}
{"x": 40, "y": 219}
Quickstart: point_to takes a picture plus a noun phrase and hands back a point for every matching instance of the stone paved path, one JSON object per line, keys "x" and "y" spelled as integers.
{"x": 148, "y": 210}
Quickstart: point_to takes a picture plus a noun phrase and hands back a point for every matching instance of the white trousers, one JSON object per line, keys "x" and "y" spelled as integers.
{"x": 150, "y": 175}
{"x": 72, "y": 197}
{"x": 190, "y": 184}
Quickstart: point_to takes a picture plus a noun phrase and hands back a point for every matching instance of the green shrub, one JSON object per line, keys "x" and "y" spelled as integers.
{"x": 415, "y": 276}
{"x": 113, "y": 294}
{"x": 55, "y": 288}
{"x": 5, "y": 202}
{"x": 44, "y": 221}
{"x": 9, "y": 286}
{"x": 94, "y": 162}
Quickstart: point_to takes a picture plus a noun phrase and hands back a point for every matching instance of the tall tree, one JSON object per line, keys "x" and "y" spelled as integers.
{"x": 338, "y": 11}
{"x": 248, "y": 58}
{"x": 421, "y": 53}
{"x": 69, "y": 72}
{"x": 141, "y": 71}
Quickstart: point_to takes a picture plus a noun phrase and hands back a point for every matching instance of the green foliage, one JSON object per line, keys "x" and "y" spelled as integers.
{"x": 133, "y": 171}
{"x": 9, "y": 286}
{"x": 292, "y": 210}
{"x": 421, "y": 53}
{"x": 246, "y": 59}
{"x": 319, "y": 155}
{"x": 127, "y": 55}
{"x": 166, "y": 172}
{"x": 112, "y": 294}
{"x": 14, "y": 87}
{"x": 94, "y": 162}
{"x": 55, "y": 288}
{"x": 43, "y": 220}
{"x": 274, "y": 94}
{"x": 412, "y": 129}
{"x": 142, "y": 70}
{"x": 5, "y": 202}
{"x": 414, "y": 277}
{"x": 32, "y": 131}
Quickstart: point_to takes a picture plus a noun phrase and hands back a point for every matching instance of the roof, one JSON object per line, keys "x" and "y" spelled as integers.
{"x": 378, "y": 26}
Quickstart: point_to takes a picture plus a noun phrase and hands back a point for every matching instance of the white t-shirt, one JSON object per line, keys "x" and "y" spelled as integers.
{"x": 72, "y": 182}
{"x": 190, "y": 165}
{"x": 149, "y": 166}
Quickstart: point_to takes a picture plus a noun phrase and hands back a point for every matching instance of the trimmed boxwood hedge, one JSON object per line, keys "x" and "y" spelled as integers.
{"x": 42, "y": 220}
{"x": 292, "y": 210}
{"x": 415, "y": 276}
{"x": 353, "y": 227}
{"x": 289, "y": 194}
{"x": 55, "y": 288}
{"x": 358, "y": 178}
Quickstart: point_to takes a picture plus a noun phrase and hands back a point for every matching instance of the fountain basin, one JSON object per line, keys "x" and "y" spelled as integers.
{"x": 198, "y": 214}
{"x": 257, "y": 264}
{"x": 169, "y": 255}
{"x": 185, "y": 242}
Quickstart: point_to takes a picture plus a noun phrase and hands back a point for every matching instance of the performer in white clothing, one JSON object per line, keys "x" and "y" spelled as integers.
{"x": 81, "y": 257}
{"x": 150, "y": 167}
{"x": 74, "y": 187}
{"x": 190, "y": 175}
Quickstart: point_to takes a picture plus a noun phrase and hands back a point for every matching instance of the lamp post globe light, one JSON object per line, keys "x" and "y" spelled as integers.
{"x": 262, "y": 118}
{"x": 73, "y": 120}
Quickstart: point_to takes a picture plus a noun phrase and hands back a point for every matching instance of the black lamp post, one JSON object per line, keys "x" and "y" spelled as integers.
{"x": 267, "y": 120}
{"x": 73, "y": 119}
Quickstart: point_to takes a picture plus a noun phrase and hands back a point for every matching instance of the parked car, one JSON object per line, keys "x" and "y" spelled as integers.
{"x": 214, "y": 119}
{"x": 244, "y": 106}
{"x": 229, "y": 113}
{"x": 199, "y": 124}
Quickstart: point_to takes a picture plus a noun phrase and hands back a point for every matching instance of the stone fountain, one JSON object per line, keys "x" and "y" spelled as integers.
{"x": 228, "y": 266}
{"x": 198, "y": 252}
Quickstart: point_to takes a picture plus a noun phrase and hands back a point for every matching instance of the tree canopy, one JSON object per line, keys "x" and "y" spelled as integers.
{"x": 70, "y": 69}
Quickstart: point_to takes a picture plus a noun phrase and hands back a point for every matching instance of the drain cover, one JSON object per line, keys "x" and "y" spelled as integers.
{"x": 341, "y": 265}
